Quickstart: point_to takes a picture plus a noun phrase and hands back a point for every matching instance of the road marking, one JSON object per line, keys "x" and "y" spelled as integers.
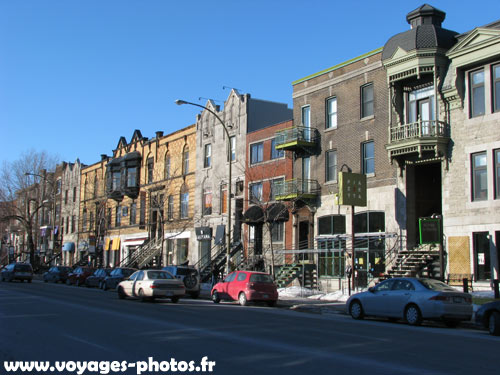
{"x": 86, "y": 342}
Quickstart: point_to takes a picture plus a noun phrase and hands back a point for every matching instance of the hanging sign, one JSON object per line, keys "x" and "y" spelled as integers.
{"x": 352, "y": 189}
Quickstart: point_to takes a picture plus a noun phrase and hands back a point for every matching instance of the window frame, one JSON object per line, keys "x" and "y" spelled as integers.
{"x": 365, "y": 159}
{"x": 364, "y": 102}
{"x": 328, "y": 177}
{"x": 474, "y": 87}
{"x": 207, "y": 155}
{"x": 475, "y": 197}
{"x": 494, "y": 92}
{"x": 256, "y": 153}
{"x": 328, "y": 122}
{"x": 252, "y": 197}
{"x": 276, "y": 154}
{"x": 184, "y": 205}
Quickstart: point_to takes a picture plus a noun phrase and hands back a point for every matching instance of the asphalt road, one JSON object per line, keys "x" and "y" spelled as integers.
{"x": 55, "y": 322}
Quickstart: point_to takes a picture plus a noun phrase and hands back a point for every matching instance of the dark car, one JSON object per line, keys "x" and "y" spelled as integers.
{"x": 96, "y": 279}
{"x": 57, "y": 274}
{"x": 115, "y": 277}
{"x": 18, "y": 271}
{"x": 488, "y": 316}
{"x": 189, "y": 276}
{"x": 79, "y": 275}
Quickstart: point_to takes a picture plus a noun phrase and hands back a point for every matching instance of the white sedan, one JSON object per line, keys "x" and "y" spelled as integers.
{"x": 150, "y": 284}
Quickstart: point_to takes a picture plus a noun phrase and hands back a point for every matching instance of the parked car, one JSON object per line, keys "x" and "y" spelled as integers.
{"x": 245, "y": 286}
{"x": 189, "y": 276}
{"x": 95, "y": 280}
{"x": 150, "y": 284}
{"x": 488, "y": 316}
{"x": 413, "y": 300}
{"x": 79, "y": 275}
{"x": 17, "y": 271}
{"x": 57, "y": 274}
{"x": 113, "y": 279}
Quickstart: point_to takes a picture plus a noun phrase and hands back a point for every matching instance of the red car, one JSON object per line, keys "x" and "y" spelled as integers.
{"x": 245, "y": 286}
{"x": 79, "y": 275}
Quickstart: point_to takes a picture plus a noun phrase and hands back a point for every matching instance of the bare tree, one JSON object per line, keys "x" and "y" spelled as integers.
{"x": 24, "y": 190}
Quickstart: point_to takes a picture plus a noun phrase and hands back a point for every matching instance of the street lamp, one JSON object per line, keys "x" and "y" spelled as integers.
{"x": 228, "y": 147}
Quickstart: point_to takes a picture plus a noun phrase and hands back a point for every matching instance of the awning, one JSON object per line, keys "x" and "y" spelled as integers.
{"x": 69, "y": 246}
{"x": 277, "y": 213}
{"x": 116, "y": 244}
{"x": 253, "y": 216}
{"x": 107, "y": 242}
{"x": 134, "y": 241}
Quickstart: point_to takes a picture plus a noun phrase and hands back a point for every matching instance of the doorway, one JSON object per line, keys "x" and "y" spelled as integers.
{"x": 482, "y": 260}
{"x": 423, "y": 197}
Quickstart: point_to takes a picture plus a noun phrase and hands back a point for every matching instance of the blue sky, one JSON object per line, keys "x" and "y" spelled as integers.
{"x": 75, "y": 75}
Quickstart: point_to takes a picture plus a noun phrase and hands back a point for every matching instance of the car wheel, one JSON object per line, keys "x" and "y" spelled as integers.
{"x": 121, "y": 293}
{"x": 175, "y": 299}
{"x": 142, "y": 296}
{"x": 190, "y": 282}
{"x": 215, "y": 297}
{"x": 413, "y": 315}
{"x": 356, "y": 310}
{"x": 494, "y": 324}
{"x": 195, "y": 295}
{"x": 450, "y": 323}
{"x": 242, "y": 298}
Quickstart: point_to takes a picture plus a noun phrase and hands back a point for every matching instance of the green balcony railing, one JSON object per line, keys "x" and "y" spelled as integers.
{"x": 297, "y": 136}
{"x": 296, "y": 188}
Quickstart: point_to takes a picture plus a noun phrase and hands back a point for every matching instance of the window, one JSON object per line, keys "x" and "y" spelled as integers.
{"x": 477, "y": 98}
{"x": 497, "y": 174}
{"x": 276, "y": 188}
{"x": 84, "y": 220}
{"x": 67, "y": 224}
{"x": 331, "y": 258}
{"x": 331, "y": 115}
{"x": 142, "y": 212}
{"x": 369, "y": 222}
{"x": 73, "y": 221}
{"x": 185, "y": 161}
{"x": 150, "y": 170}
{"x": 331, "y": 166}
{"x": 95, "y": 185}
{"x": 256, "y": 192}
{"x": 170, "y": 208}
{"x": 208, "y": 156}
{"x": 277, "y": 231}
{"x": 184, "y": 205}
{"x": 256, "y": 153}
{"x": 276, "y": 154}
{"x": 232, "y": 144}
{"x": 207, "y": 202}
{"x": 479, "y": 177}
{"x": 118, "y": 216}
{"x": 167, "y": 166}
{"x": 108, "y": 217}
{"x": 421, "y": 107}
{"x": 91, "y": 221}
{"x": 116, "y": 176}
{"x": 306, "y": 122}
{"x": 132, "y": 176}
{"x": 58, "y": 186}
{"x": 496, "y": 88}
{"x": 368, "y": 157}
{"x": 74, "y": 194}
{"x": 332, "y": 224}
{"x": 133, "y": 213}
{"x": 66, "y": 197}
{"x": 367, "y": 100}
{"x": 182, "y": 250}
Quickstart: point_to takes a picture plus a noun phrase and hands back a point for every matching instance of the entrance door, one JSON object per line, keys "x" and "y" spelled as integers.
{"x": 482, "y": 263}
{"x": 424, "y": 112}
{"x": 205, "y": 246}
{"x": 304, "y": 239}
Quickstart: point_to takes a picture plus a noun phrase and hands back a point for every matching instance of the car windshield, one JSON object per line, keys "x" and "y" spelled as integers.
{"x": 261, "y": 278}
{"x": 154, "y": 275}
{"x": 435, "y": 285}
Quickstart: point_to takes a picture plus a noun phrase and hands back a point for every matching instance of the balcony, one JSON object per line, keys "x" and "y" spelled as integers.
{"x": 297, "y": 138}
{"x": 419, "y": 137}
{"x": 296, "y": 189}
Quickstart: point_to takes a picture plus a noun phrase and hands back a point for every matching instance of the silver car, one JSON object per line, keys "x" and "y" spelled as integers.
{"x": 150, "y": 284}
{"x": 413, "y": 300}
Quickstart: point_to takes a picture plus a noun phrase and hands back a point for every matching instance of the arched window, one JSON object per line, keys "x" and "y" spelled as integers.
{"x": 185, "y": 160}
{"x": 184, "y": 202}
{"x": 167, "y": 166}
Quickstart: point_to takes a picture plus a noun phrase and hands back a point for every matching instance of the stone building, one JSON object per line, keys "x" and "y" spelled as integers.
{"x": 241, "y": 114}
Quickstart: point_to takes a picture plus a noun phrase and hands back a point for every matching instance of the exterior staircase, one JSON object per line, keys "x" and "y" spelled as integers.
{"x": 217, "y": 262}
{"x": 144, "y": 254}
{"x": 287, "y": 274}
{"x": 421, "y": 261}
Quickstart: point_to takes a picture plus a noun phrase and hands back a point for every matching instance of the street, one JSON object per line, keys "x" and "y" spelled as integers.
{"x": 55, "y": 322}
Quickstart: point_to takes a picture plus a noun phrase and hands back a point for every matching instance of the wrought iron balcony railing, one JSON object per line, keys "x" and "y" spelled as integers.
{"x": 297, "y": 136}
{"x": 296, "y": 188}
{"x": 419, "y": 129}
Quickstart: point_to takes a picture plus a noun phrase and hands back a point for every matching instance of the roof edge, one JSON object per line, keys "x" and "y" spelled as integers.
{"x": 338, "y": 66}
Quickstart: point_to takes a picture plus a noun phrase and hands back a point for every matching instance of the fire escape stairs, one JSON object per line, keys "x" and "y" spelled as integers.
{"x": 418, "y": 262}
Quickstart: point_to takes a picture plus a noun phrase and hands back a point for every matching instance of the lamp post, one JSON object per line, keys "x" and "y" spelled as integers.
{"x": 228, "y": 150}
{"x": 53, "y": 193}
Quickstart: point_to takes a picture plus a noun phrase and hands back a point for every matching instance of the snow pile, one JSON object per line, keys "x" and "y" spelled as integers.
{"x": 299, "y": 292}
{"x": 296, "y": 291}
